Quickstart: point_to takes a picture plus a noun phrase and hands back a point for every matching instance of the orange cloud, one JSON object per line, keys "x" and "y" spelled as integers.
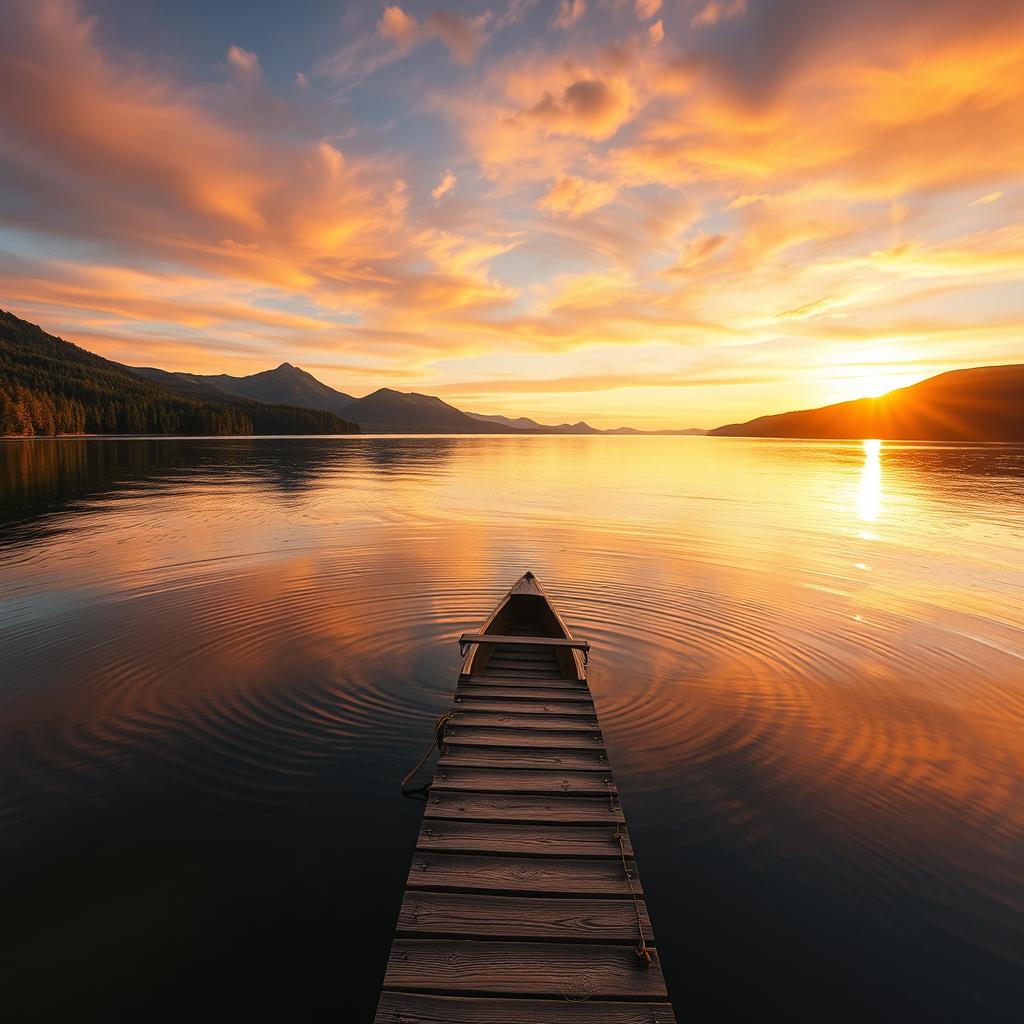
{"x": 718, "y": 10}
{"x": 575, "y": 196}
{"x": 588, "y": 107}
{"x": 444, "y": 186}
{"x": 399, "y": 27}
{"x": 628, "y": 184}
{"x": 569, "y": 12}
{"x": 461, "y": 36}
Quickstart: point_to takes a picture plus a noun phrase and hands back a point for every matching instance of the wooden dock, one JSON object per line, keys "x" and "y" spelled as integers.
{"x": 523, "y": 904}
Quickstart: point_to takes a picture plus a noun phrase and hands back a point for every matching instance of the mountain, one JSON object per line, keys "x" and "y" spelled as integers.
{"x": 525, "y": 423}
{"x": 49, "y": 386}
{"x": 681, "y": 432}
{"x": 286, "y": 385}
{"x": 383, "y": 412}
{"x": 397, "y": 412}
{"x": 985, "y": 403}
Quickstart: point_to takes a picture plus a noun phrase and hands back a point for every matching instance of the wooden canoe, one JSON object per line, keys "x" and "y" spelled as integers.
{"x": 523, "y": 902}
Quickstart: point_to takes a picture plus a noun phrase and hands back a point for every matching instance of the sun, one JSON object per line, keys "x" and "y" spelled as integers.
{"x": 876, "y": 372}
{"x": 876, "y": 385}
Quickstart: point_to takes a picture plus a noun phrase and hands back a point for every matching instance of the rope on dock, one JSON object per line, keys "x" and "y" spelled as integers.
{"x": 641, "y": 950}
{"x": 438, "y": 742}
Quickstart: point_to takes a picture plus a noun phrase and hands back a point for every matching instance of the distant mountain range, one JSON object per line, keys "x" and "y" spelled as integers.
{"x": 382, "y": 412}
{"x": 522, "y": 423}
{"x": 49, "y": 386}
{"x": 985, "y": 403}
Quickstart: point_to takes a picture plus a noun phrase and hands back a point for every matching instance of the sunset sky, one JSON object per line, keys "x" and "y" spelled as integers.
{"x": 648, "y": 212}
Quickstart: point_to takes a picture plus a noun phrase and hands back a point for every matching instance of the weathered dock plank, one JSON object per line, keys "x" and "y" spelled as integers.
{"x": 570, "y": 841}
{"x": 551, "y": 757}
{"x": 414, "y": 1008}
{"x": 518, "y": 917}
{"x": 484, "y": 736}
{"x": 549, "y": 682}
{"x": 511, "y": 968}
{"x": 495, "y": 691}
{"x": 523, "y": 904}
{"x": 541, "y": 810}
{"x": 523, "y": 706}
{"x": 514, "y": 720}
{"x": 518, "y": 875}
{"x": 522, "y": 780}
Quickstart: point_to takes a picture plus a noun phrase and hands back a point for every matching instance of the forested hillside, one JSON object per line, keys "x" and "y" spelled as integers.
{"x": 49, "y": 386}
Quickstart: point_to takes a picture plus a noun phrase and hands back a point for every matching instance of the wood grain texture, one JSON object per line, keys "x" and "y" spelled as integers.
{"x": 511, "y": 720}
{"x": 524, "y": 654}
{"x": 495, "y": 691}
{"x": 414, "y": 1008}
{"x": 478, "y": 736}
{"x": 554, "y": 683}
{"x": 467, "y": 915}
{"x": 497, "y": 780}
{"x": 521, "y": 673}
{"x": 553, "y": 758}
{"x": 537, "y": 643}
{"x": 544, "y": 809}
{"x": 552, "y": 969}
{"x": 568, "y": 841}
{"x": 523, "y": 706}
{"x": 518, "y": 875}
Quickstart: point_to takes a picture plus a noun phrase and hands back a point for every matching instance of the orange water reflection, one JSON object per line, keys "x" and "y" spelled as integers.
{"x": 248, "y": 613}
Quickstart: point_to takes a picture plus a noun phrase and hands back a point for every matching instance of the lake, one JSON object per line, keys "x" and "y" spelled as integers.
{"x": 220, "y": 656}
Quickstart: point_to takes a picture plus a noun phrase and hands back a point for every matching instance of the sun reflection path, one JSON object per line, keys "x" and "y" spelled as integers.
{"x": 869, "y": 492}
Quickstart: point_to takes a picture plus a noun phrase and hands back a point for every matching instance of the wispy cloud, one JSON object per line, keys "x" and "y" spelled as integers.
{"x": 795, "y": 181}
{"x": 569, "y": 13}
{"x": 444, "y": 186}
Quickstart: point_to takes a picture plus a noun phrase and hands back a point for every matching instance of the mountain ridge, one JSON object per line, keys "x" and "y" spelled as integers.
{"x": 50, "y": 386}
{"x": 284, "y": 385}
{"x": 980, "y": 403}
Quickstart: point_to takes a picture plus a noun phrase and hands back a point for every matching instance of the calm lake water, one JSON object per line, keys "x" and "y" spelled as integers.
{"x": 219, "y": 657}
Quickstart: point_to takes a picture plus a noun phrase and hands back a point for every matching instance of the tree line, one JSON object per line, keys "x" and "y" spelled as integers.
{"x": 49, "y": 386}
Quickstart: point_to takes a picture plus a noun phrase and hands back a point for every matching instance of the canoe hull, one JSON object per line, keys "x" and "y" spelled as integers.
{"x": 525, "y": 611}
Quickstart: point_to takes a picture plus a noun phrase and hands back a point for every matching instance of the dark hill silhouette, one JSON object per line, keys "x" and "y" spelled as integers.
{"x": 396, "y": 412}
{"x": 525, "y": 423}
{"x": 985, "y": 403}
{"x": 285, "y": 385}
{"x": 49, "y": 386}
{"x": 383, "y": 412}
